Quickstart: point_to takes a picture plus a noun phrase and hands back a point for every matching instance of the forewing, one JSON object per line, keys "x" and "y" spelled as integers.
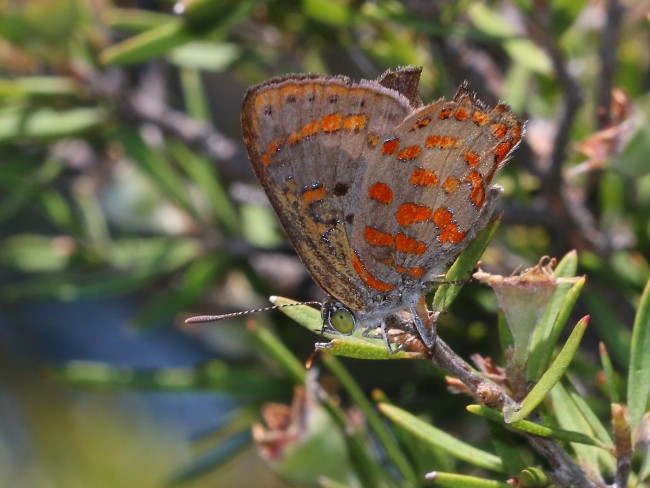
{"x": 308, "y": 140}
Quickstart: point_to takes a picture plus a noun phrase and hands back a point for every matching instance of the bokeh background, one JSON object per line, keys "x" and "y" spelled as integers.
{"x": 127, "y": 204}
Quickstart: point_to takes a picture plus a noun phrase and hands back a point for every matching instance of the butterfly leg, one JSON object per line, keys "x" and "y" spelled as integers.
{"x": 389, "y": 345}
{"x": 425, "y": 323}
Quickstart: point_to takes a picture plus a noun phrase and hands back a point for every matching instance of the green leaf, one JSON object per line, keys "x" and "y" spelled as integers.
{"x": 151, "y": 43}
{"x": 441, "y": 439}
{"x": 245, "y": 383}
{"x": 527, "y": 427}
{"x": 205, "y": 56}
{"x": 370, "y": 349}
{"x": 18, "y": 124}
{"x": 73, "y": 286}
{"x": 551, "y": 377}
{"x": 32, "y": 253}
{"x": 533, "y": 477}
{"x": 210, "y": 17}
{"x": 638, "y": 380}
{"x": 274, "y": 348}
{"x": 570, "y": 416}
{"x": 610, "y": 374}
{"x": 452, "y": 480}
{"x": 463, "y": 267}
{"x": 335, "y": 13}
{"x": 154, "y": 255}
{"x": 38, "y": 86}
{"x": 204, "y": 175}
{"x": 194, "y": 96}
{"x": 135, "y": 20}
{"x": 523, "y": 51}
{"x": 506, "y": 448}
{"x": 422, "y": 455}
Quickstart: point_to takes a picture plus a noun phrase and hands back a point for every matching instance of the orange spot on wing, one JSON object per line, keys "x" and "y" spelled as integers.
{"x": 390, "y": 146}
{"x": 367, "y": 278}
{"x": 478, "y": 190}
{"x": 450, "y": 185}
{"x": 441, "y": 142}
{"x": 502, "y": 151}
{"x": 472, "y": 159}
{"x": 445, "y": 113}
{"x": 416, "y": 272}
{"x": 331, "y": 122}
{"x": 410, "y": 213}
{"x": 480, "y": 118}
{"x": 420, "y": 123}
{"x": 442, "y": 216}
{"x": 499, "y": 131}
{"x": 409, "y": 153}
{"x": 449, "y": 231}
{"x": 381, "y": 192}
{"x": 461, "y": 114}
{"x": 409, "y": 245}
{"x": 423, "y": 177}
{"x": 376, "y": 237}
{"x": 372, "y": 140}
{"x": 355, "y": 122}
{"x": 273, "y": 147}
{"x": 313, "y": 195}
{"x": 294, "y": 138}
{"x": 310, "y": 129}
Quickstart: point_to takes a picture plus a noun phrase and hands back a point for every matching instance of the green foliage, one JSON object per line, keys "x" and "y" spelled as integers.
{"x": 122, "y": 173}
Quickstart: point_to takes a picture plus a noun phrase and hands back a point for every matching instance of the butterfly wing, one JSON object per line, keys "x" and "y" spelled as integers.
{"x": 310, "y": 140}
{"x": 430, "y": 190}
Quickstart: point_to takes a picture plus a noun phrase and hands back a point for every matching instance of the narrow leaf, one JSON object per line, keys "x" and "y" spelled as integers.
{"x": 568, "y": 416}
{"x": 272, "y": 346}
{"x": 242, "y": 382}
{"x": 610, "y": 374}
{"x": 153, "y": 42}
{"x": 551, "y": 377}
{"x": 638, "y": 381}
{"x": 47, "y": 124}
{"x": 555, "y": 315}
{"x": 452, "y": 480}
{"x": 438, "y": 438}
{"x": 527, "y": 427}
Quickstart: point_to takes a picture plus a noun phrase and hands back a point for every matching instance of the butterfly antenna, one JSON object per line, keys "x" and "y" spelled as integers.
{"x": 200, "y": 319}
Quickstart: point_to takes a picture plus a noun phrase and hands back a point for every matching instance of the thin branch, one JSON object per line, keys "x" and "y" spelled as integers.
{"x": 565, "y": 471}
{"x": 540, "y": 29}
{"x": 608, "y": 61}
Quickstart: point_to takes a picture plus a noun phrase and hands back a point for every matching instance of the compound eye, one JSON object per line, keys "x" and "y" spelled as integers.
{"x": 342, "y": 321}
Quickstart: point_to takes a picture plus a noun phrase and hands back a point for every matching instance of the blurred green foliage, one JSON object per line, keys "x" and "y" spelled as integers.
{"x": 122, "y": 172}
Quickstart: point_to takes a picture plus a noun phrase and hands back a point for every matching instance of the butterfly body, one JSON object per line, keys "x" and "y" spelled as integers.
{"x": 376, "y": 192}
